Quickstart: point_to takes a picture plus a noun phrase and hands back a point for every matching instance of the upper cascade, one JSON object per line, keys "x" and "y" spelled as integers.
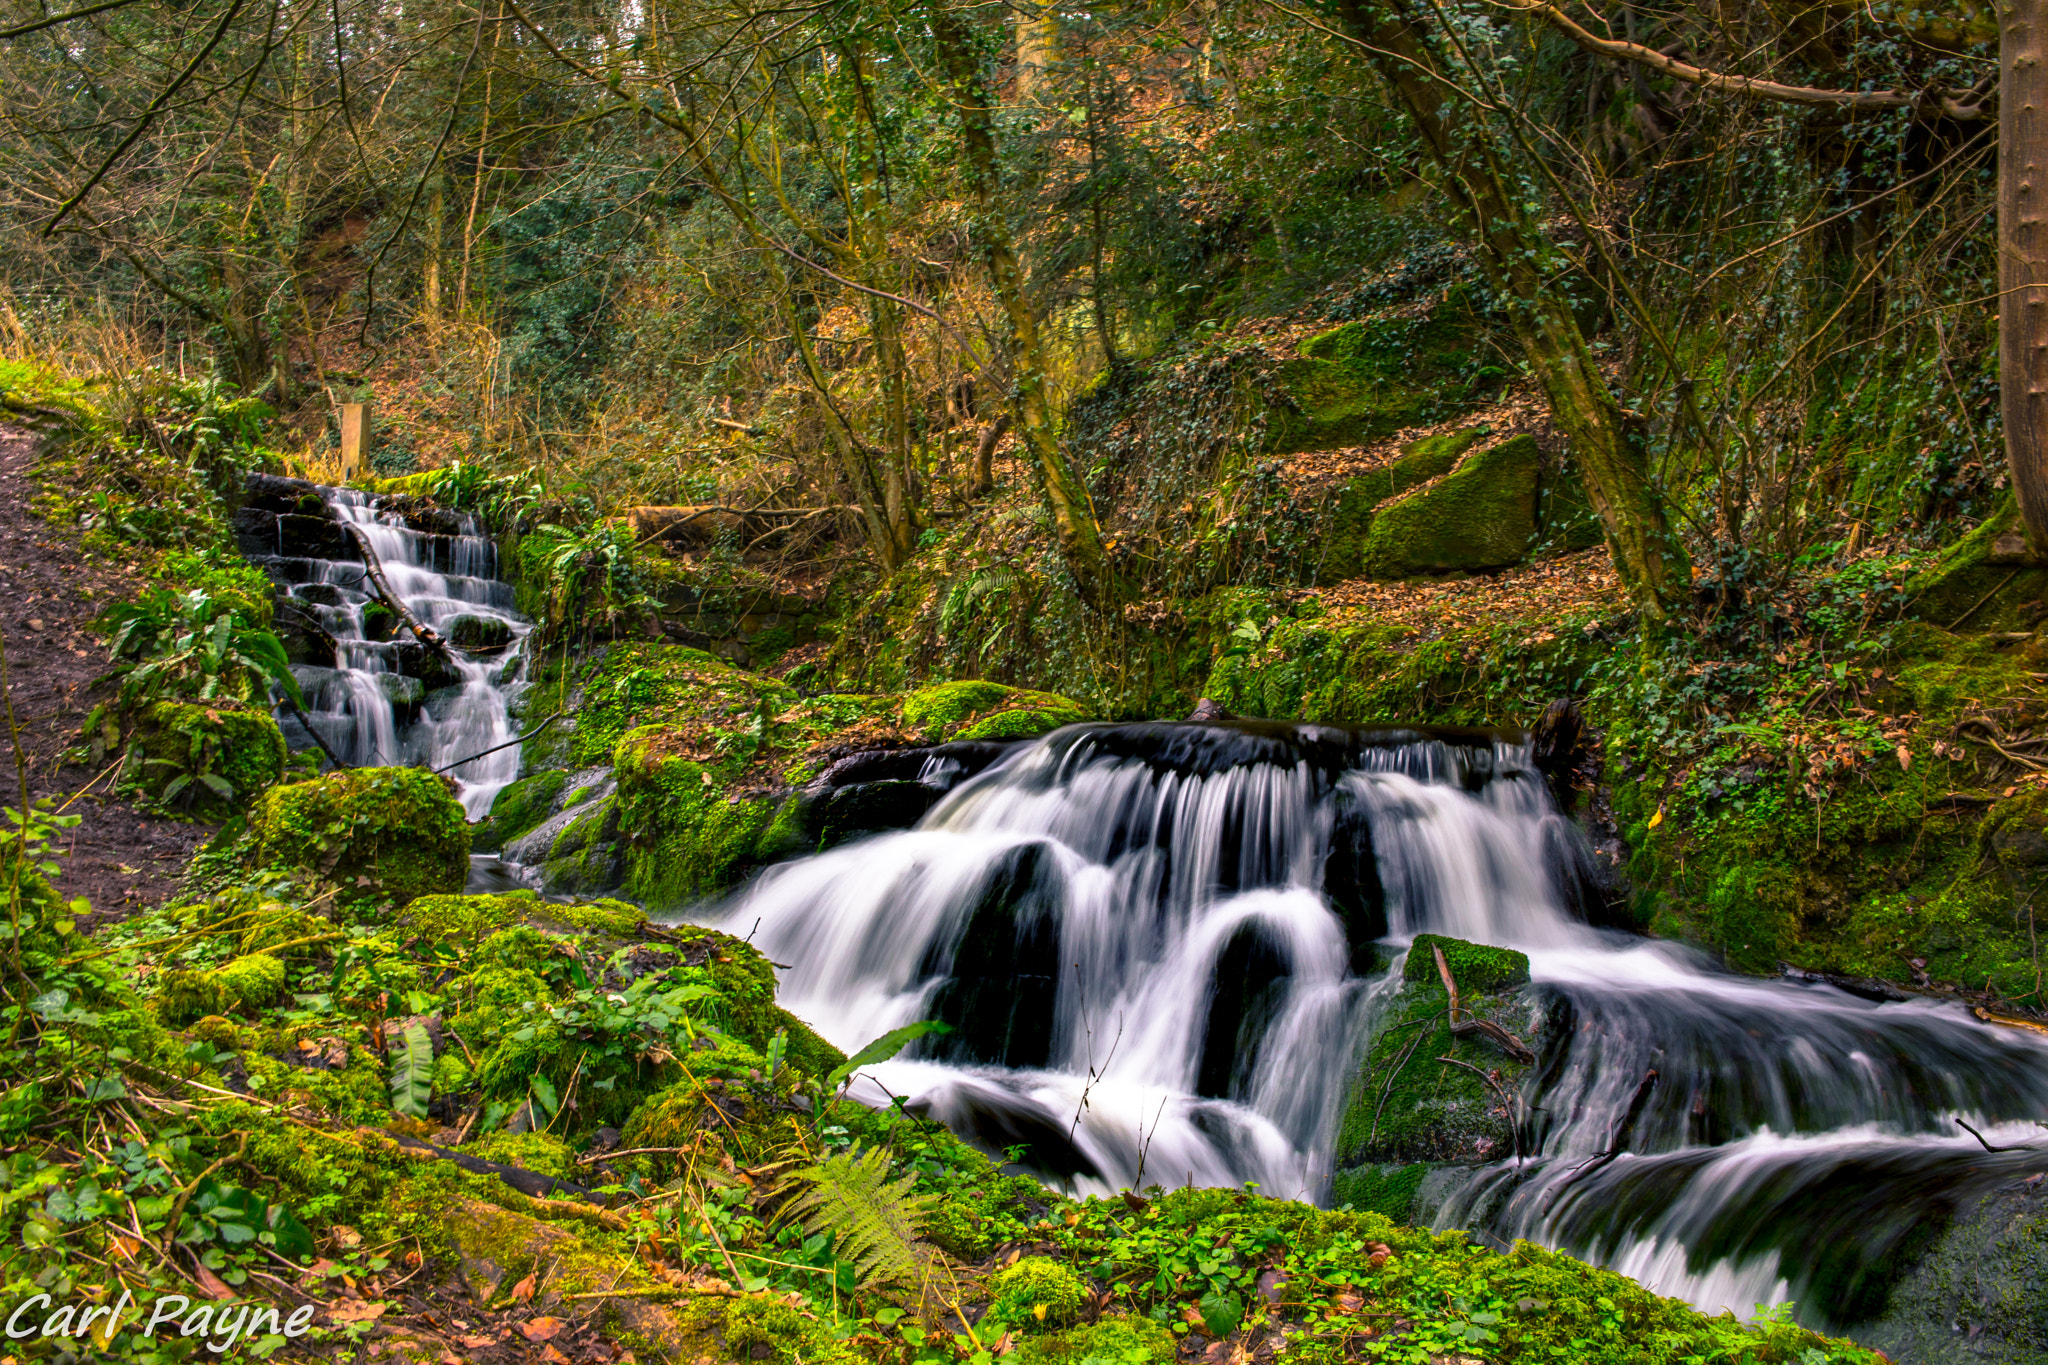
{"x": 376, "y": 695}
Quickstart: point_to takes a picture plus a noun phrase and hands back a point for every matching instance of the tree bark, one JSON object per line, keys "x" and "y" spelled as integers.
{"x": 2023, "y": 256}
{"x": 1519, "y": 261}
{"x": 1073, "y": 514}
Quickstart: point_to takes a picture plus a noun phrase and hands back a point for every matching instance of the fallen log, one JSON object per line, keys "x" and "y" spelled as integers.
{"x": 424, "y": 633}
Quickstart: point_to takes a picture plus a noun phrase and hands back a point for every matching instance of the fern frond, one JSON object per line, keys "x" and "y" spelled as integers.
{"x": 873, "y": 1220}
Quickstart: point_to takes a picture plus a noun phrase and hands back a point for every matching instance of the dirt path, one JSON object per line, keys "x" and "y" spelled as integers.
{"x": 50, "y": 590}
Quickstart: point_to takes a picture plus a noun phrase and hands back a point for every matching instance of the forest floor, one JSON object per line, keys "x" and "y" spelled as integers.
{"x": 50, "y": 591}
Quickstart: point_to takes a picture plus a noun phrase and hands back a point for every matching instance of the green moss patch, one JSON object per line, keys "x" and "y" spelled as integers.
{"x": 1481, "y": 515}
{"x": 204, "y": 759}
{"x": 1406, "y": 1106}
{"x": 517, "y": 809}
{"x": 400, "y": 830}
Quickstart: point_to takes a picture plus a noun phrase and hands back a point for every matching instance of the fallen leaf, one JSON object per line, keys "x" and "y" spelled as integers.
{"x": 211, "y": 1284}
{"x": 345, "y": 1236}
{"x": 541, "y": 1329}
{"x": 126, "y": 1247}
{"x": 552, "y": 1356}
{"x": 474, "y": 1343}
{"x": 523, "y": 1291}
{"x": 1905, "y": 759}
{"x": 356, "y": 1310}
{"x": 1349, "y": 1302}
{"x": 1656, "y": 820}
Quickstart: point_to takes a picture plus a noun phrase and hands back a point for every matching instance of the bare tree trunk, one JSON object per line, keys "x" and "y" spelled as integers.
{"x": 1073, "y": 513}
{"x": 2023, "y": 256}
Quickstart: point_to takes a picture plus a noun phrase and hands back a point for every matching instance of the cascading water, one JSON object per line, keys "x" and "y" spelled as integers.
{"x": 1155, "y": 944}
{"x": 389, "y": 700}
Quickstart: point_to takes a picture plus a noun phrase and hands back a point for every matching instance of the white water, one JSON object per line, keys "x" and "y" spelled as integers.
{"x": 1078, "y": 904}
{"x": 439, "y": 578}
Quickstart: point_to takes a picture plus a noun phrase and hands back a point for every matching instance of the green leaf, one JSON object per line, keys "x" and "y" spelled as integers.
{"x": 544, "y": 1092}
{"x": 412, "y": 1071}
{"x": 883, "y": 1048}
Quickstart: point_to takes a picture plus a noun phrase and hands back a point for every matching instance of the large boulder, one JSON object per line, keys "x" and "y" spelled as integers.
{"x": 398, "y": 830}
{"x": 1368, "y": 379}
{"x": 1419, "y": 461}
{"x": 1481, "y": 515}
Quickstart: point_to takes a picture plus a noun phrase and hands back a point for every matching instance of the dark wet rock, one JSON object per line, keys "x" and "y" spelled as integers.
{"x": 868, "y": 807}
{"x": 319, "y": 594}
{"x": 430, "y": 666}
{"x": 479, "y": 634}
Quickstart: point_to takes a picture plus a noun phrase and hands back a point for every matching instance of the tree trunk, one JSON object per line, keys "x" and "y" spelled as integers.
{"x": 1520, "y": 261}
{"x": 1073, "y": 513}
{"x": 2023, "y": 256}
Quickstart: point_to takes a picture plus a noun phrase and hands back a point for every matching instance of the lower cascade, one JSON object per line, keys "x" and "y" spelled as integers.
{"x": 1165, "y": 948}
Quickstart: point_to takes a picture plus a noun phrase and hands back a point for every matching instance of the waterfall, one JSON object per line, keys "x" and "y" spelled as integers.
{"x": 389, "y": 700}
{"x": 1163, "y": 949}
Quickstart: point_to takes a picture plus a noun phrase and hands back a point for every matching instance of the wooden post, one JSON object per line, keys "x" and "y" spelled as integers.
{"x": 355, "y": 438}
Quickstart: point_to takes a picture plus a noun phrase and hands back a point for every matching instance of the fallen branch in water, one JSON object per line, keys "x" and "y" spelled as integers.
{"x": 1507, "y": 1101}
{"x": 521, "y": 739}
{"x": 1472, "y": 1023}
{"x": 426, "y": 634}
{"x": 1987, "y": 1146}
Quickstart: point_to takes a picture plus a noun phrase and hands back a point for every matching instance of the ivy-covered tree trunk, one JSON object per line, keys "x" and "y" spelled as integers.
{"x": 2023, "y": 256}
{"x": 1522, "y": 263}
{"x": 1073, "y": 513}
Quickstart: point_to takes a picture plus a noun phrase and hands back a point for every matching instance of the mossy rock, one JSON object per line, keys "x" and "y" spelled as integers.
{"x": 684, "y": 837}
{"x": 1980, "y": 583}
{"x": 1406, "y": 1106}
{"x": 467, "y": 921}
{"x": 517, "y": 809}
{"x": 1368, "y": 379}
{"x": 1481, "y": 515}
{"x": 585, "y": 855}
{"x": 986, "y": 710}
{"x": 400, "y": 830}
{"x": 1419, "y": 462}
{"x": 204, "y": 759}
{"x": 244, "y": 985}
{"x": 1113, "y": 1341}
{"x": 1389, "y": 1189}
{"x": 1476, "y": 967}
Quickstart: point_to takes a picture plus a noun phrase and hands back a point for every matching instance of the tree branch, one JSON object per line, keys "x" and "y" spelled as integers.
{"x": 1929, "y": 101}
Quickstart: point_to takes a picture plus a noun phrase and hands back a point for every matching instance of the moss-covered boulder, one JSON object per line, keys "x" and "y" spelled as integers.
{"x": 686, "y": 836}
{"x": 1481, "y": 515}
{"x": 585, "y": 856}
{"x": 985, "y": 710}
{"x": 517, "y": 809}
{"x": 1406, "y": 1106}
{"x": 1983, "y": 581}
{"x": 398, "y": 830}
{"x": 1418, "y": 463}
{"x": 204, "y": 759}
{"x": 1371, "y": 378}
{"x": 465, "y": 921}
{"x": 242, "y": 986}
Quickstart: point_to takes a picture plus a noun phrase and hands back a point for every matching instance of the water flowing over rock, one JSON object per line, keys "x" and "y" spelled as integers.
{"x": 1164, "y": 949}
{"x": 376, "y": 695}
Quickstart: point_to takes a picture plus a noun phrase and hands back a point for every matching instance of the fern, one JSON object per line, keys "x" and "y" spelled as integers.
{"x": 874, "y": 1220}
{"x": 412, "y": 1071}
